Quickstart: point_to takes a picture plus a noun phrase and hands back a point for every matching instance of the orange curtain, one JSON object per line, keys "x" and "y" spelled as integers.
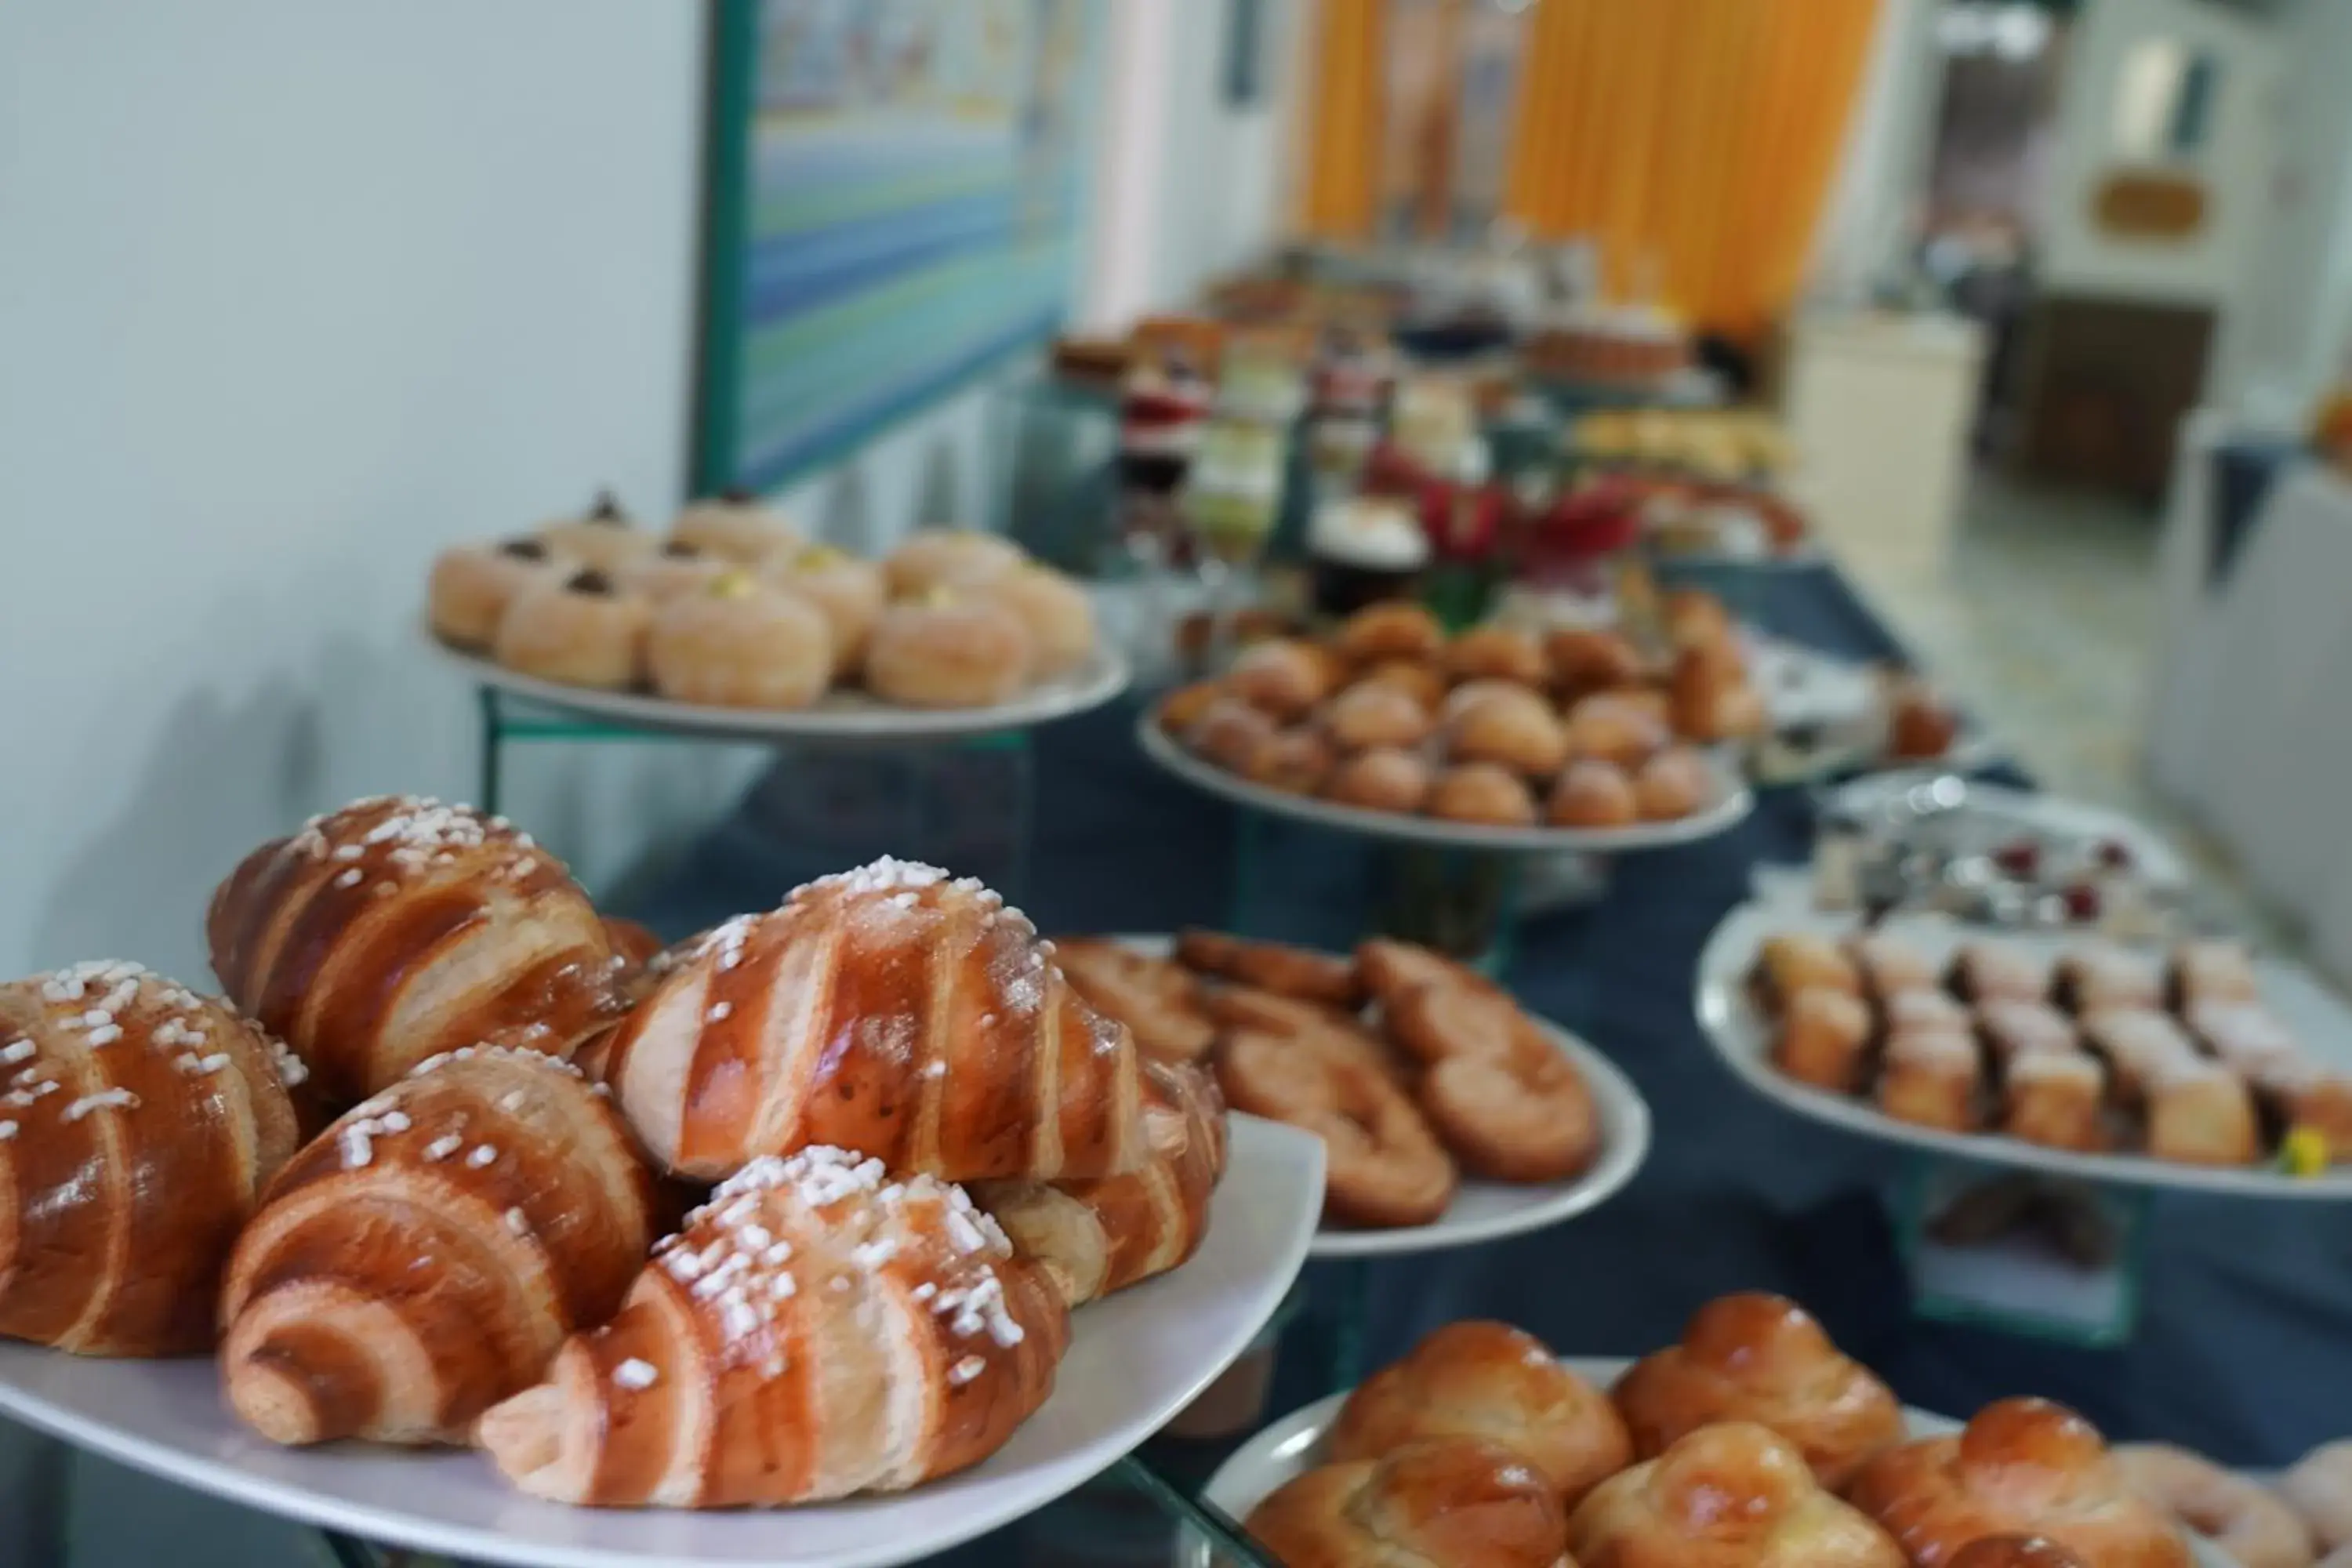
{"x": 1693, "y": 140}
{"x": 1348, "y": 65}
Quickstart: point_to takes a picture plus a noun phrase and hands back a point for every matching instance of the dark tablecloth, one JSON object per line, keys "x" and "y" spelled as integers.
{"x": 2242, "y": 1348}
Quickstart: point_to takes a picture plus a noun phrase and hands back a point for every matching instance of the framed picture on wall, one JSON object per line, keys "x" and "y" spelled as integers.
{"x": 893, "y": 195}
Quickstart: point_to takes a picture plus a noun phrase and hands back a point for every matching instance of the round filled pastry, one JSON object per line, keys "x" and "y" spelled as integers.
{"x": 676, "y": 568}
{"x": 1617, "y": 727}
{"x": 1421, "y": 679}
{"x": 741, "y": 644}
{"x": 602, "y": 536}
{"x": 1229, "y": 733}
{"x": 1296, "y": 761}
{"x": 1284, "y": 676}
{"x": 1497, "y": 721}
{"x": 1591, "y": 793}
{"x": 2021, "y": 1467}
{"x": 1375, "y": 713}
{"x": 1757, "y": 1357}
{"x": 734, "y": 525}
{"x": 1673, "y": 785}
{"x": 946, "y": 651}
{"x": 1384, "y": 778}
{"x": 472, "y": 585}
{"x": 1586, "y": 659}
{"x": 934, "y": 557}
{"x": 1497, "y": 653}
{"x": 846, "y": 590}
{"x": 1055, "y": 609}
{"x": 1734, "y": 1493}
{"x": 1485, "y": 794}
{"x": 1392, "y": 629}
{"x": 582, "y": 629}
{"x": 1488, "y": 1380}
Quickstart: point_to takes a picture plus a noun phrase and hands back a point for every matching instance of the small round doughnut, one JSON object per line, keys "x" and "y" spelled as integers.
{"x": 959, "y": 653}
{"x": 849, "y": 592}
{"x": 1383, "y": 779}
{"x": 581, "y": 630}
{"x": 1592, "y": 792}
{"x": 1420, "y": 679}
{"x": 941, "y": 557}
{"x": 1392, "y": 629}
{"x": 472, "y": 585}
{"x": 674, "y": 568}
{"x": 2246, "y": 1520}
{"x": 1375, "y": 713}
{"x": 740, "y": 644}
{"x": 734, "y": 526}
{"x": 602, "y": 537}
{"x": 1052, "y": 607}
{"x": 1482, "y": 792}
{"x": 1497, "y": 653}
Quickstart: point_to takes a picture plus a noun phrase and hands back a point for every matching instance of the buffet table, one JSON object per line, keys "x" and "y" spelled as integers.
{"x": 2236, "y": 1351}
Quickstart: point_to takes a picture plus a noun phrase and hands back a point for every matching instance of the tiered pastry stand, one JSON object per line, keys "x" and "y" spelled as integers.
{"x": 2119, "y": 1186}
{"x": 1459, "y": 882}
{"x": 1135, "y": 1360}
{"x": 1481, "y": 1210}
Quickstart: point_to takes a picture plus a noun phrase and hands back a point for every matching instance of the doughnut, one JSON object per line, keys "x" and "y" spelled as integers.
{"x": 472, "y": 586}
{"x": 734, "y": 526}
{"x": 581, "y": 630}
{"x": 1375, "y": 713}
{"x": 937, "y": 557}
{"x": 601, "y": 537}
{"x": 959, "y": 653}
{"x": 1675, "y": 784}
{"x": 676, "y": 568}
{"x": 1059, "y": 616}
{"x": 1495, "y": 721}
{"x": 1286, "y": 677}
{"x": 1383, "y": 779}
{"x": 1392, "y": 629}
{"x": 1482, "y": 792}
{"x": 738, "y": 644}
{"x": 846, "y": 590}
{"x": 2256, "y": 1529}
{"x": 1591, "y": 793}
{"x": 1497, "y": 653}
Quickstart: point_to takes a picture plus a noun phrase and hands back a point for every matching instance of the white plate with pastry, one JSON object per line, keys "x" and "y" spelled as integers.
{"x": 2058, "y": 1053}
{"x": 1134, "y": 1361}
{"x": 1479, "y": 1210}
{"x": 1295, "y": 1444}
{"x": 1728, "y": 800}
{"x": 846, "y": 715}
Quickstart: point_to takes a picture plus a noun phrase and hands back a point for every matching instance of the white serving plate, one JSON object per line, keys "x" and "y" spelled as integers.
{"x": 1134, "y": 1361}
{"x": 839, "y": 716}
{"x": 1733, "y": 802}
{"x": 1489, "y": 1211}
{"x": 2029, "y": 811}
{"x": 1741, "y": 1037}
{"x": 1294, "y": 1445}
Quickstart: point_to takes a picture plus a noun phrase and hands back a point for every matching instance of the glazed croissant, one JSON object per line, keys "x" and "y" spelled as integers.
{"x": 425, "y": 1257}
{"x": 139, "y": 1123}
{"x": 892, "y": 1012}
{"x": 398, "y": 929}
{"x": 816, "y": 1330}
{"x": 1096, "y": 1236}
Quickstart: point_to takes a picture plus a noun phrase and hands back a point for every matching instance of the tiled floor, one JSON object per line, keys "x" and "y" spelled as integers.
{"x": 2043, "y": 620}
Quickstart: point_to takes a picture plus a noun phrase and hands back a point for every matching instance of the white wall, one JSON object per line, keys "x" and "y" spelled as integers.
{"x": 1187, "y": 185}
{"x": 1866, "y": 222}
{"x": 2299, "y": 284}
